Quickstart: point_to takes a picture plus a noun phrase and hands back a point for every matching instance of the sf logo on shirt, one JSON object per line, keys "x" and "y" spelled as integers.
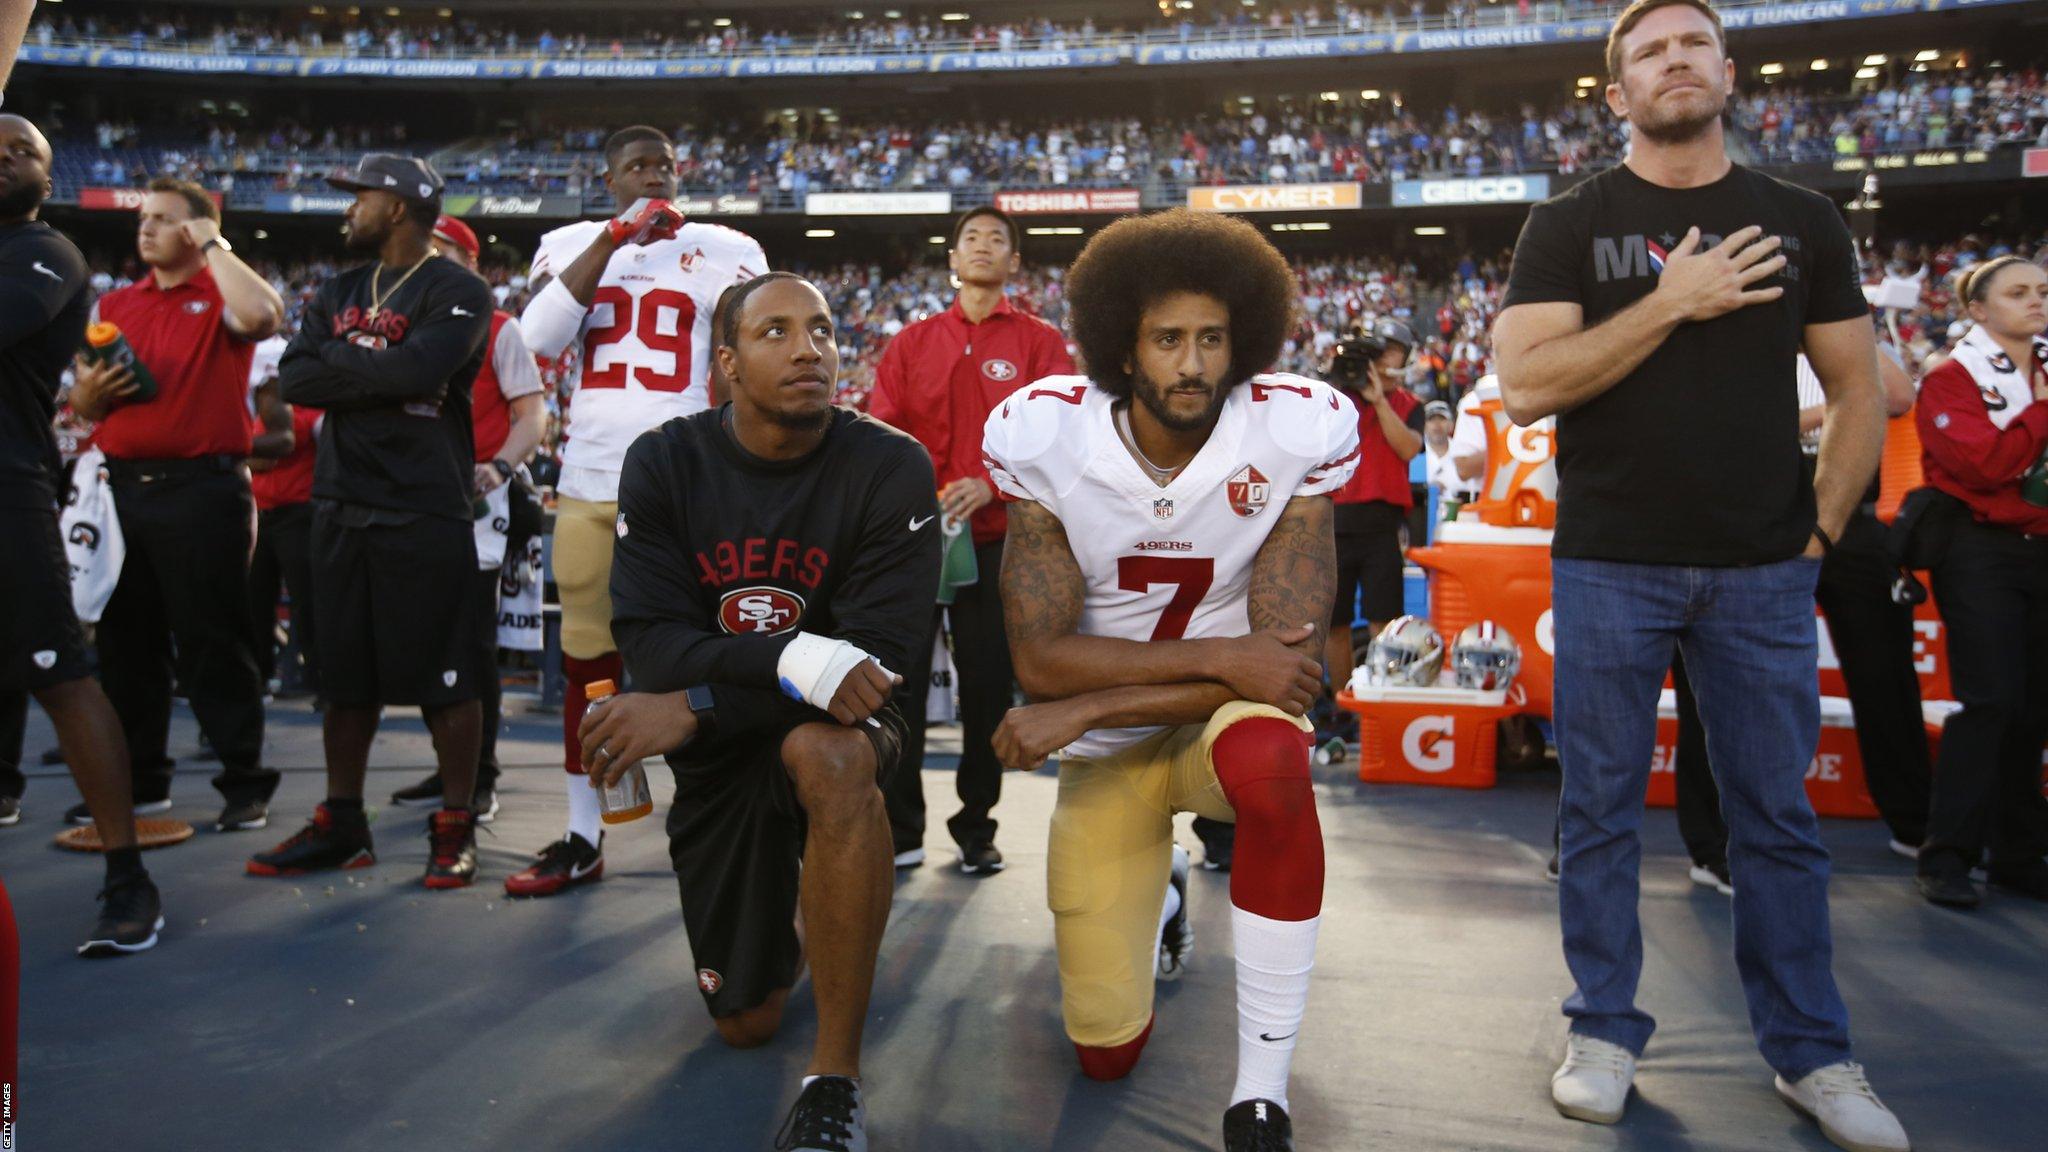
{"x": 760, "y": 610}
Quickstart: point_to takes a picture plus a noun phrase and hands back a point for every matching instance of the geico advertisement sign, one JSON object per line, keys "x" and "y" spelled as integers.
{"x": 1274, "y": 197}
{"x": 1429, "y": 743}
{"x": 1479, "y": 190}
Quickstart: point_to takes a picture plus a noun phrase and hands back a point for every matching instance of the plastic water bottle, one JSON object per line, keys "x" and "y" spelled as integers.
{"x": 629, "y": 799}
{"x": 104, "y": 344}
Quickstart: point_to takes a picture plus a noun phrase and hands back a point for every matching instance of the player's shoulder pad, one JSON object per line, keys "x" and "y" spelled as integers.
{"x": 1044, "y": 418}
{"x": 726, "y": 244}
{"x": 1305, "y": 417}
{"x": 555, "y": 240}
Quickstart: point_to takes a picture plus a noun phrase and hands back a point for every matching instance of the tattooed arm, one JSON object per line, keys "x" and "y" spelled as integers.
{"x": 1043, "y": 591}
{"x": 1294, "y": 578}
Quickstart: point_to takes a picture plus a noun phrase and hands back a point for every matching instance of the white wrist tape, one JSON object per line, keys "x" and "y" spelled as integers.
{"x": 551, "y": 320}
{"x": 812, "y": 667}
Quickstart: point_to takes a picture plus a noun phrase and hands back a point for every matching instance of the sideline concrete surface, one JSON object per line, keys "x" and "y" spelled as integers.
{"x": 358, "y": 1011}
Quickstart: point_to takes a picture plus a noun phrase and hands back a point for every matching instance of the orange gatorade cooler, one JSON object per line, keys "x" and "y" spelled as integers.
{"x": 1439, "y": 736}
{"x": 1834, "y": 778}
{"x": 1482, "y": 572}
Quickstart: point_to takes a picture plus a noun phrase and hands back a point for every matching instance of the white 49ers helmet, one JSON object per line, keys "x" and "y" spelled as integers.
{"x": 1485, "y": 656}
{"x": 1408, "y": 652}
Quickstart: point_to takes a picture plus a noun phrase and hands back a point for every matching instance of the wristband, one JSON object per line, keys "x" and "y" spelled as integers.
{"x": 504, "y": 469}
{"x": 1826, "y": 545}
{"x": 812, "y": 667}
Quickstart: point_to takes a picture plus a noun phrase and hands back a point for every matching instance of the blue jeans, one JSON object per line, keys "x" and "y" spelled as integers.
{"x": 1748, "y": 638}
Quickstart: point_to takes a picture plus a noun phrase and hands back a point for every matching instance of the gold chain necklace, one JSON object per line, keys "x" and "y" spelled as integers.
{"x": 377, "y": 299}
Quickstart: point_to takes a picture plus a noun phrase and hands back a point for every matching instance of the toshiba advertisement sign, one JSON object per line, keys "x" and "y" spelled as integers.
{"x": 1108, "y": 200}
{"x": 1274, "y": 198}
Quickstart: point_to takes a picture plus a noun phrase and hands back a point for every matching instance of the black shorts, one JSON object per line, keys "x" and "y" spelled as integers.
{"x": 41, "y": 643}
{"x": 395, "y": 607}
{"x": 736, "y": 839}
{"x": 1368, "y": 557}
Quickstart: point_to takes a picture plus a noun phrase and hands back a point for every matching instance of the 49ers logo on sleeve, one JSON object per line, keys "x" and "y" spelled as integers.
{"x": 1248, "y": 490}
{"x": 759, "y": 610}
{"x": 1000, "y": 371}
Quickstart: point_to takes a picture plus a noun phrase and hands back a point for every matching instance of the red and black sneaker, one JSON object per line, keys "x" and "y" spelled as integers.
{"x": 327, "y": 841}
{"x": 452, "y": 864}
{"x": 567, "y": 862}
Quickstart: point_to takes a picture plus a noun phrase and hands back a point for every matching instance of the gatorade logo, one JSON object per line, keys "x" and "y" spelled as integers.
{"x": 1531, "y": 445}
{"x": 1427, "y": 744}
{"x": 709, "y": 981}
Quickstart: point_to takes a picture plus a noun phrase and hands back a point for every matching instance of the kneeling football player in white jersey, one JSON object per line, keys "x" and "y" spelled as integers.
{"x": 633, "y": 297}
{"x": 1167, "y": 578}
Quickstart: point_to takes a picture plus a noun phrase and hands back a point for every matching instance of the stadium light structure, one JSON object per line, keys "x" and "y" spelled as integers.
{"x": 1368, "y": 94}
{"x": 722, "y": 22}
{"x": 1819, "y": 65}
{"x": 1431, "y": 230}
{"x": 1866, "y": 73}
{"x": 819, "y": 233}
{"x": 1771, "y": 70}
{"x": 1307, "y": 226}
{"x": 938, "y": 239}
{"x": 1068, "y": 231}
{"x": 1587, "y": 81}
{"x": 1926, "y": 55}
{"x": 1875, "y": 59}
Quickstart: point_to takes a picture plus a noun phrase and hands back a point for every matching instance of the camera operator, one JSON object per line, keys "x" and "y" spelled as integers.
{"x": 1374, "y": 503}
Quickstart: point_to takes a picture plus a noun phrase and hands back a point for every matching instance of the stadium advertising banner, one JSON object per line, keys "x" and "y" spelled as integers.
{"x": 1113, "y": 201}
{"x": 1275, "y": 198}
{"x": 724, "y": 205}
{"x": 120, "y": 199}
{"x": 1476, "y": 190}
{"x": 878, "y": 203}
{"x": 549, "y": 206}
{"x": 759, "y": 65}
{"x": 308, "y": 203}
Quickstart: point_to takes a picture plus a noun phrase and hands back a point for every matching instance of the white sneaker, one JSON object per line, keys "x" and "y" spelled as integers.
{"x": 1593, "y": 1082}
{"x": 1706, "y": 877}
{"x": 910, "y": 858}
{"x": 1909, "y": 851}
{"x": 1849, "y": 1111}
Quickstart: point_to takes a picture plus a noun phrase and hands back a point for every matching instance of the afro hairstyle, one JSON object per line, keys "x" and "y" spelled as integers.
{"x": 1140, "y": 260}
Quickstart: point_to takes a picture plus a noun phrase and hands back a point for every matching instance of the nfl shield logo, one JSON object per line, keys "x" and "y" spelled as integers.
{"x": 1162, "y": 509}
{"x": 1248, "y": 490}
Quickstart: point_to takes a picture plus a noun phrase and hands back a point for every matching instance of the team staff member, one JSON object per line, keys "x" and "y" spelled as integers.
{"x": 176, "y": 465}
{"x": 1658, "y": 310}
{"x": 388, "y": 350}
{"x": 282, "y": 437}
{"x": 634, "y": 295}
{"x": 43, "y": 309}
{"x": 771, "y": 548}
{"x": 1374, "y": 503}
{"x": 938, "y": 380}
{"x": 508, "y": 414}
{"x": 1983, "y": 420}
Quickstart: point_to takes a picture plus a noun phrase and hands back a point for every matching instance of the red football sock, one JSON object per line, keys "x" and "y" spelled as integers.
{"x": 579, "y": 673}
{"x": 1113, "y": 1063}
{"x": 1277, "y": 870}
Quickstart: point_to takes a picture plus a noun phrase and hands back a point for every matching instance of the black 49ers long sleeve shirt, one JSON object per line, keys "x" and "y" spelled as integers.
{"x": 722, "y": 557}
{"x": 393, "y": 374}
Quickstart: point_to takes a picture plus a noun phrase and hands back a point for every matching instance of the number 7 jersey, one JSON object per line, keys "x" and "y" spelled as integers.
{"x": 643, "y": 356}
{"x": 1163, "y": 563}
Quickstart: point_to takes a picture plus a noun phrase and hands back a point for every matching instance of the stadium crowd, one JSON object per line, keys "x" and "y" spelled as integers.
{"x": 350, "y": 33}
{"x": 1964, "y": 109}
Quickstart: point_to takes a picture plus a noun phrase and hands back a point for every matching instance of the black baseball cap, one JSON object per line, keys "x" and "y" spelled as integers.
{"x": 406, "y": 177}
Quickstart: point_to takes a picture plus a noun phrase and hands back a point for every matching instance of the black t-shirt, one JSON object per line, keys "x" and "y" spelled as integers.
{"x": 722, "y": 557}
{"x": 395, "y": 386}
{"x": 1693, "y": 458}
{"x": 44, "y": 302}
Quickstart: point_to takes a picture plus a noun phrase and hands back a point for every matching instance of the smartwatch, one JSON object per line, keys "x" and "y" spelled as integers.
{"x": 700, "y": 701}
{"x": 504, "y": 469}
{"x": 220, "y": 242}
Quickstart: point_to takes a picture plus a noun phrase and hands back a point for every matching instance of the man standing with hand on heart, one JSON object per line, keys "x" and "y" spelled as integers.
{"x": 1658, "y": 310}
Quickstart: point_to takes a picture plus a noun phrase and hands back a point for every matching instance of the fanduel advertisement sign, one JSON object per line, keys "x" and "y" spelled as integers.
{"x": 553, "y": 206}
{"x": 1477, "y": 190}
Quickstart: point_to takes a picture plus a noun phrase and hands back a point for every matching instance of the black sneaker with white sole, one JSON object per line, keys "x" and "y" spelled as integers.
{"x": 243, "y": 816}
{"x": 827, "y": 1117}
{"x": 483, "y": 804}
{"x": 912, "y": 857}
{"x": 1177, "y": 937}
{"x": 131, "y": 914}
{"x": 78, "y": 815}
{"x": 981, "y": 859}
{"x": 1713, "y": 874}
{"x": 1257, "y": 1126}
{"x": 425, "y": 794}
{"x": 10, "y": 810}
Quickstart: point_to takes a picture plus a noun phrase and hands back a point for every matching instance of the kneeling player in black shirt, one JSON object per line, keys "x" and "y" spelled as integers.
{"x": 776, "y": 559}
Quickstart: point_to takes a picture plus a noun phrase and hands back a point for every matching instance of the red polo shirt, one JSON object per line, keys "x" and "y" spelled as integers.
{"x": 201, "y": 368}
{"x": 291, "y": 482}
{"x": 1382, "y": 475}
{"x": 941, "y": 377}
